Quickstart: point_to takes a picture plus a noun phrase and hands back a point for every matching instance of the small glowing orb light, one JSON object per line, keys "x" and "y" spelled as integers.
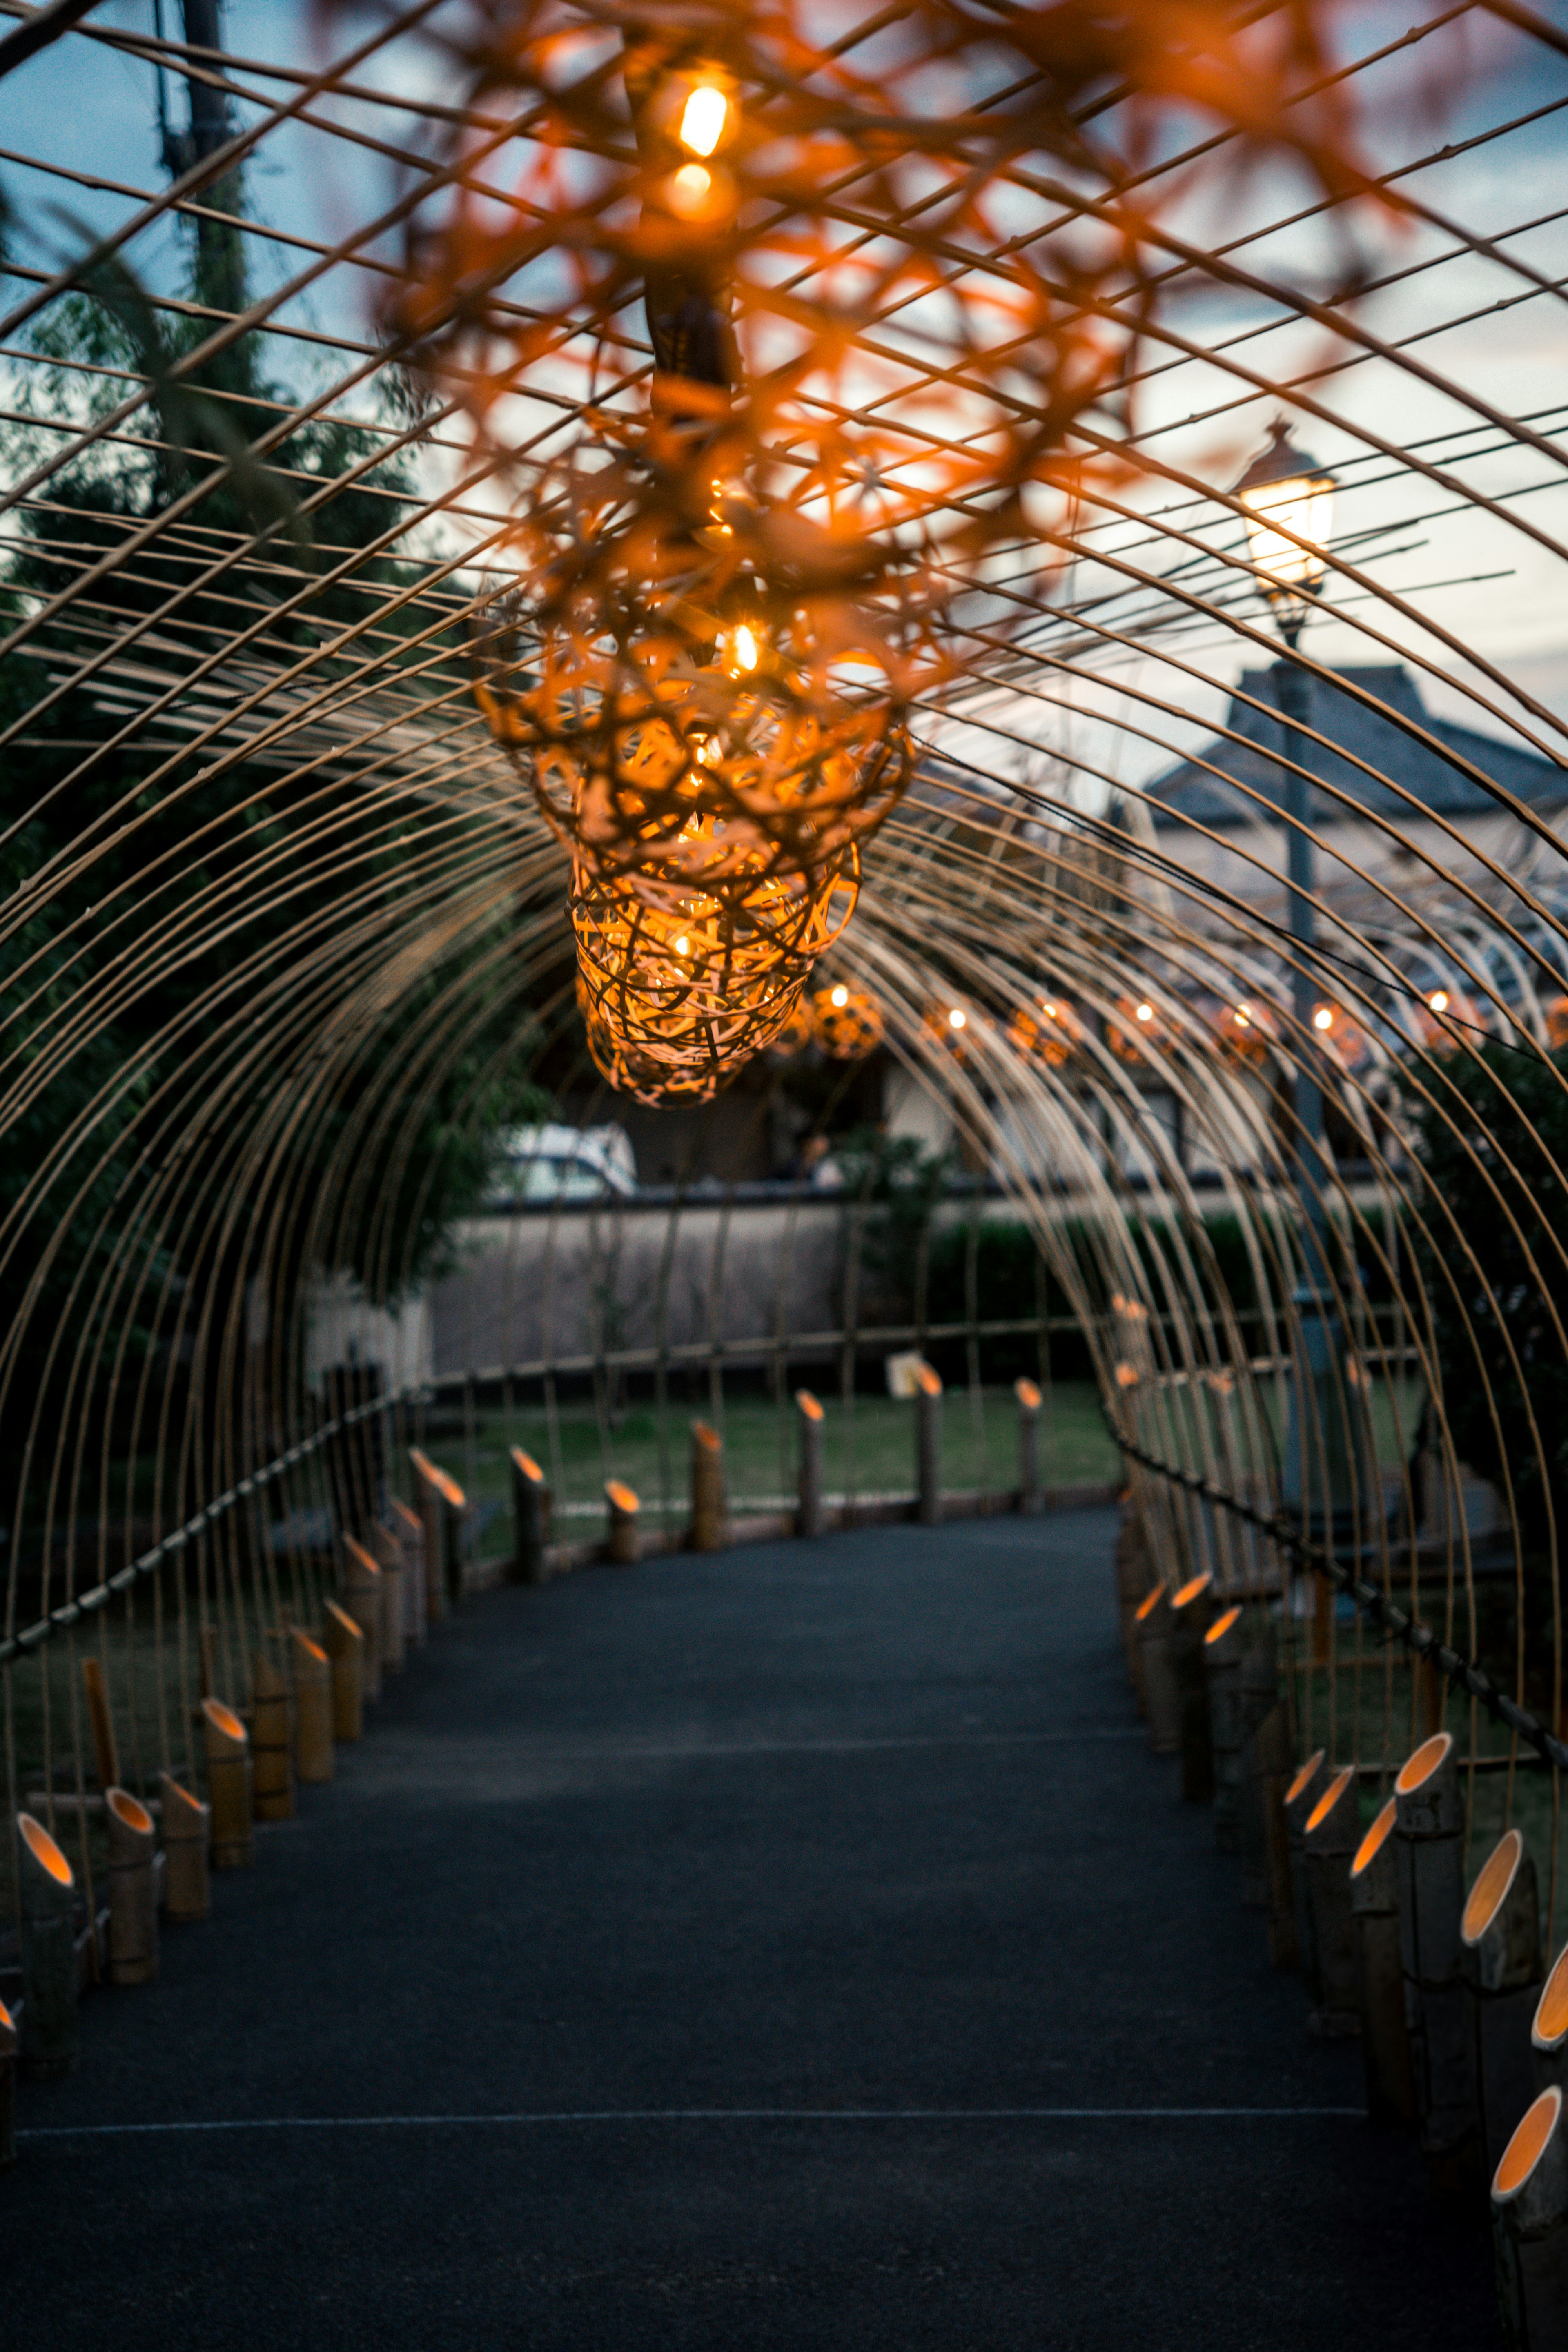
{"x": 1323, "y": 1018}
{"x": 846, "y": 1023}
{"x": 703, "y": 119}
{"x": 1438, "y": 1000}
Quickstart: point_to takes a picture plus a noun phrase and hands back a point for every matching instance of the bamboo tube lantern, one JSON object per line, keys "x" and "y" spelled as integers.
{"x": 47, "y": 1888}
{"x": 187, "y": 1836}
{"x": 313, "y": 1758}
{"x": 1384, "y": 2036}
{"x": 621, "y": 1535}
{"x": 1191, "y": 1615}
{"x": 133, "y": 1895}
{"x": 928, "y": 1444}
{"x": 811, "y": 1517}
{"x": 1500, "y": 1942}
{"x": 1548, "y": 2030}
{"x": 229, "y": 1786}
{"x": 1258, "y": 1694}
{"x": 530, "y": 1512}
{"x": 1430, "y": 1836}
{"x": 388, "y": 1556}
{"x": 409, "y": 1529}
{"x": 1529, "y": 2228}
{"x": 102, "y": 1721}
{"x": 363, "y": 1600}
{"x": 1135, "y": 1579}
{"x": 1031, "y": 1489}
{"x": 344, "y": 1645}
{"x": 1331, "y": 1836}
{"x": 1161, "y": 1699}
{"x": 1222, "y": 1666}
{"x": 707, "y": 1531}
{"x": 1300, "y": 1796}
{"x": 8, "y": 2040}
{"x": 272, "y": 1742}
{"x": 442, "y": 1505}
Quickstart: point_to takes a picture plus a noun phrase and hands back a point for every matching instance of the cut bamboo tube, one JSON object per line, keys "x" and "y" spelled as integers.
{"x": 313, "y": 1758}
{"x": 272, "y": 1742}
{"x": 1428, "y": 1832}
{"x": 50, "y": 2044}
{"x": 229, "y": 1790}
{"x": 1499, "y": 1941}
{"x": 1548, "y": 2032}
{"x": 811, "y": 1517}
{"x": 1031, "y": 1485}
{"x": 1275, "y": 1758}
{"x": 1300, "y": 1795}
{"x": 1160, "y": 1701}
{"x": 362, "y": 1598}
{"x": 187, "y": 1834}
{"x": 1257, "y": 1694}
{"x": 621, "y": 1535}
{"x": 102, "y": 1721}
{"x": 1329, "y": 1837}
{"x": 928, "y": 1444}
{"x": 1384, "y": 2037}
{"x": 1529, "y": 2228}
{"x": 133, "y": 1895}
{"x": 531, "y": 1518}
{"x": 1191, "y": 1614}
{"x": 707, "y": 1531}
{"x": 1222, "y": 1666}
{"x": 409, "y": 1529}
{"x": 1134, "y": 1577}
{"x": 441, "y": 1504}
{"x": 388, "y": 1556}
{"x": 344, "y": 1645}
{"x": 8, "y": 2039}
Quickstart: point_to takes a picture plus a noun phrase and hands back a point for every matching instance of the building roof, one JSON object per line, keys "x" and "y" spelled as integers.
{"x": 1190, "y": 793}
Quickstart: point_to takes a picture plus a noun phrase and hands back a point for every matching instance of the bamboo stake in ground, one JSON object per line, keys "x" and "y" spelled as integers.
{"x": 1548, "y": 2033}
{"x": 187, "y": 1833}
{"x": 1161, "y": 1702}
{"x": 1031, "y": 1485}
{"x": 1428, "y": 1832}
{"x": 1257, "y": 1694}
{"x": 344, "y": 1645}
{"x": 132, "y": 1899}
{"x": 387, "y": 1553}
{"x": 928, "y": 1444}
{"x": 530, "y": 1516}
{"x": 1499, "y": 1941}
{"x": 1300, "y": 1796}
{"x": 1530, "y": 2230}
{"x": 1134, "y": 1580}
{"x": 272, "y": 1742}
{"x": 409, "y": 1529}
{"x": 363, "y": 1600}
{"x": 50, "y": 2044}
{"x": 707, "y": 1531}
{"x": 1222, "y": 1664}
{"x": 102, "y": 1721}
{"x": 621, "y": 1535}
{"x": 313, "y": 1758}
{"x": 1276, "y": 1758}
{"x": 230, "y": 1786}
{"x": 1384, "y": 2037}
{"x": 442, "y": 1504}
{"x": 1191, "y": 1614}
{"x": 1329, "y": 1837}
{"x": 811, "y": 1517}
{"x": 8, "y": 2089}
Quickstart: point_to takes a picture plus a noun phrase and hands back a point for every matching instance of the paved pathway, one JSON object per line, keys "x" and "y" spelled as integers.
{"x": 791, "y": 1948}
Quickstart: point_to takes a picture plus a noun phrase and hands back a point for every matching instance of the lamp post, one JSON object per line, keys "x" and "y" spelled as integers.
{"x": 1289, "y": 499}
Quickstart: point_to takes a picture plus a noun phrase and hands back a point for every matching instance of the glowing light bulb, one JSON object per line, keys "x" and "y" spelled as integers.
{"x": 1145, "y": 1012}
{"x": 702, "y": 118}
{"x": 1048, "y": 1010}
{"x": 840, "y": 996}
{"x": 689, "y": 189}
{"x": 1438, "y": 1000}
{"x": 1323, "y": 1018}
{"x": 745, "y": 652}
{"x": 683, "y": 945}
{"x": 957, "y": 1018}
{"x": 1243, "y": 1015}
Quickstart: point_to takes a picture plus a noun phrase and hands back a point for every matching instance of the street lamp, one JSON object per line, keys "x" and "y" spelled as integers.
{"x": 1288, "y": 499}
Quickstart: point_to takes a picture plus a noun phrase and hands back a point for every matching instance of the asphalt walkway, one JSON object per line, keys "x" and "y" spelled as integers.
{"x": 796, "y": 1947}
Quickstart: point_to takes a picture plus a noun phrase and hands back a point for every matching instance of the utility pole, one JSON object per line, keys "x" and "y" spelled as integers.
{"x": 220, "y": 276}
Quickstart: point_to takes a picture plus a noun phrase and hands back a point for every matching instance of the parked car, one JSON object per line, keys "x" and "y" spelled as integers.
{"x": 565, "y": 1163}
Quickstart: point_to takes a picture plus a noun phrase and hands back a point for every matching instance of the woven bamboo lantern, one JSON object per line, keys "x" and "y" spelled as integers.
{"x": 1050, "y": 1031}
{"x": 1137, "y": 1026}
{"x": 795, "y": 1034}
{"x": 846, "y": 1023}
{"x": 1246, "y": 1030}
